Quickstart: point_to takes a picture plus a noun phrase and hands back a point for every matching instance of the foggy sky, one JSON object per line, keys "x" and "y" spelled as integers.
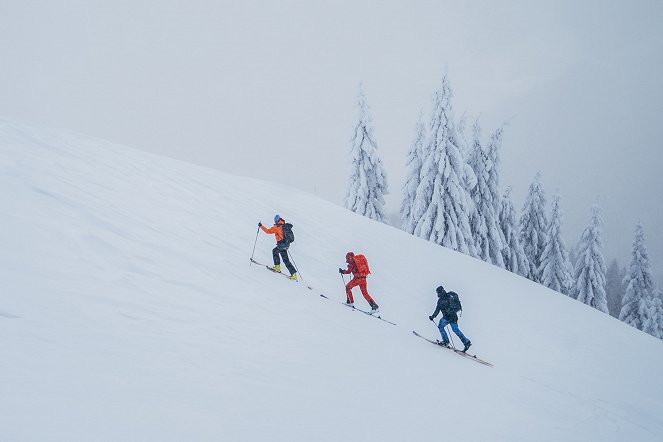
{"x": 268, "y": 89}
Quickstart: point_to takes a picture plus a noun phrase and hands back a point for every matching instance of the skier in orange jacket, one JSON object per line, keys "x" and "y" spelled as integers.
{"x": 281, "y": 248}
{"x": 359, "y": 273}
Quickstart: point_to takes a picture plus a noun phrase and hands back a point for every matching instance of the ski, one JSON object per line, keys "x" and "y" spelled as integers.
{"x": 458, "y": 352}
{"x": 273, "y": 271}
{"x": 360, "y": 310}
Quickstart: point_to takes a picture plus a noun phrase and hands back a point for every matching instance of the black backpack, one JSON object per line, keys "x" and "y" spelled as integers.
{"x": 454, "y": 302}
{"x": 288, "y": 236}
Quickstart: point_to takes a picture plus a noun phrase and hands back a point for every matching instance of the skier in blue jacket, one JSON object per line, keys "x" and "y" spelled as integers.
{"x": 448, "y": 303}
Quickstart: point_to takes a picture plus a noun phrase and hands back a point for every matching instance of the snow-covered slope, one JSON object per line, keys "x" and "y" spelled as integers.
{"x": 129, "y": 311}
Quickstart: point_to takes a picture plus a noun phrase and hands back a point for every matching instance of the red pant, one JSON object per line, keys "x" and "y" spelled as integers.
{"x": 361, "y": 282}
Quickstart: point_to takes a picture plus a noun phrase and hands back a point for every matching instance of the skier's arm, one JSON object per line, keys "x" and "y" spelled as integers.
{"x": 438, "y": 307}
{"x": 270, "y": 231}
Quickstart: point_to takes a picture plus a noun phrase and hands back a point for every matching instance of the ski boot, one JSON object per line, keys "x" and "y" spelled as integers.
{"x": 276, "y": 268}
{"x": 293, "y": 277}
{"x": 442, "y": 343}
{"x": 467, "y": 345}
{"x": 375, "y": 309}
{"x": 349, "y": 304}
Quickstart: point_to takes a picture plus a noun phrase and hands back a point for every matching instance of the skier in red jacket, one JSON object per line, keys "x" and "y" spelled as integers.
{"x": 359, "y": 269}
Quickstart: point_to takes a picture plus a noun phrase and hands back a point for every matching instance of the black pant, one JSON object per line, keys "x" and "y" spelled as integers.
{"x": 282, "y": 249}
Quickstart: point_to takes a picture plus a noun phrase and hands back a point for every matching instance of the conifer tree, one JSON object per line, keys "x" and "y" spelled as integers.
{"x": 441, "y": 194}
{"x": 368, "y": 181}
{"x": 412, "y": 180}
{"x": 651, "y": 312}
{"x": 473, "y": 162}
{"x": 532, "y": 226}
{"x": 590, "y": 269}
{"x": 614, "y": 287}
{"x": 657, "y": 303}
{"x": 513, "y": 253}
{"x": 484, "y": 221}
{"x": 639, "y": 283}
{"x": 555, "y": 267}
{"x": 470, "y": 178}
{"x": 465, "y": 151}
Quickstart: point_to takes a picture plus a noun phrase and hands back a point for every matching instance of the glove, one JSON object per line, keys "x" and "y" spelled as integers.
{"x": 259, "y": 224}
{"x": 340, "y": 270}
{"x": 431, "y": 317}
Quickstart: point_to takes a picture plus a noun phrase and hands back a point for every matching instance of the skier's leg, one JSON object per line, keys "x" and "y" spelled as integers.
{"x": 463, "y": 339}
{"x": 364, "y": 291}
{"x": 286, "y": 261}
{"x": 348, "y": 289}
{"x": 275, "y": 255}
{"x": 441, "y": 326}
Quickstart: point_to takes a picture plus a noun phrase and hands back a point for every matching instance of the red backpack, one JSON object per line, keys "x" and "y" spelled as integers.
{"x": 362, "y": 265}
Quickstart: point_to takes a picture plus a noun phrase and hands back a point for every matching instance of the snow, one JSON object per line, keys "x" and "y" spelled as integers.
{"x": 129, "y": 311}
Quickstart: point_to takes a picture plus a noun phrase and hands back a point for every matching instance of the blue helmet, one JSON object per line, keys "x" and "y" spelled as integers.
{"x": 277, "y": 217}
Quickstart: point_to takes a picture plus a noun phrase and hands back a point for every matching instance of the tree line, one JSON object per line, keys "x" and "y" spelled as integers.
{"x": 452, "y": 196}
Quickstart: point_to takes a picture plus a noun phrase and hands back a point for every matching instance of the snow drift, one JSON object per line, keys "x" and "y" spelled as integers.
{"x": 129, "y": 311}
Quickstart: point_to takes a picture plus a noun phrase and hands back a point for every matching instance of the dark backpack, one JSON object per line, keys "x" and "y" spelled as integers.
{"x": 454, "y": 302}
{"x": 288, "y": 236}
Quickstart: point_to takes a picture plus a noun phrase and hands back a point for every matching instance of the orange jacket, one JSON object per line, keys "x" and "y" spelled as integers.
{"x": 276, "y": 229}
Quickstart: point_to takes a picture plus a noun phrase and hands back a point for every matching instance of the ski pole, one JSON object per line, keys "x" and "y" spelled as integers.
{"x": 450, "y": 338}
{"x": 294, "y": 264}
{"x": 343, "y": 279}
{"x": 254, "y": 246}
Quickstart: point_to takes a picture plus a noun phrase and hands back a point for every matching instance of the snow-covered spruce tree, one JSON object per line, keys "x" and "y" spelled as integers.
{"x": 573, "y": 258}
{"x": 473, "y": 162}
{"x": 615, "y": 287}
{"x": 513, "y": 253}
{"x": 484, "y": 221}
{"x": 441, "y": 191}
{"x": 413, "y": 172}
{"x": 470, "y": 178}
{"x": 639, "y": 282}
{"x": 368, "y": 180}
{"x": 463, "y": 145}
{"x": 532, "y": 227}
{"x": 589, "y": 272}
{"x": 657, "y": 303}
{"x": 555, "y": 267}
{"x": 651, "y": 312}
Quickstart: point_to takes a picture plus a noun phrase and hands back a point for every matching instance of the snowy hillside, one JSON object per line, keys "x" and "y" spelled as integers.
{"x": 129, "y": 311}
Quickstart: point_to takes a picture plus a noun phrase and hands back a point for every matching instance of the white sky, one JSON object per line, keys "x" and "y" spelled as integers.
{"x": 268, "y": 89}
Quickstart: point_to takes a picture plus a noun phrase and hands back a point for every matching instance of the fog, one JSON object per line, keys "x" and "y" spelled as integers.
{"x": 268, "y": 89}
